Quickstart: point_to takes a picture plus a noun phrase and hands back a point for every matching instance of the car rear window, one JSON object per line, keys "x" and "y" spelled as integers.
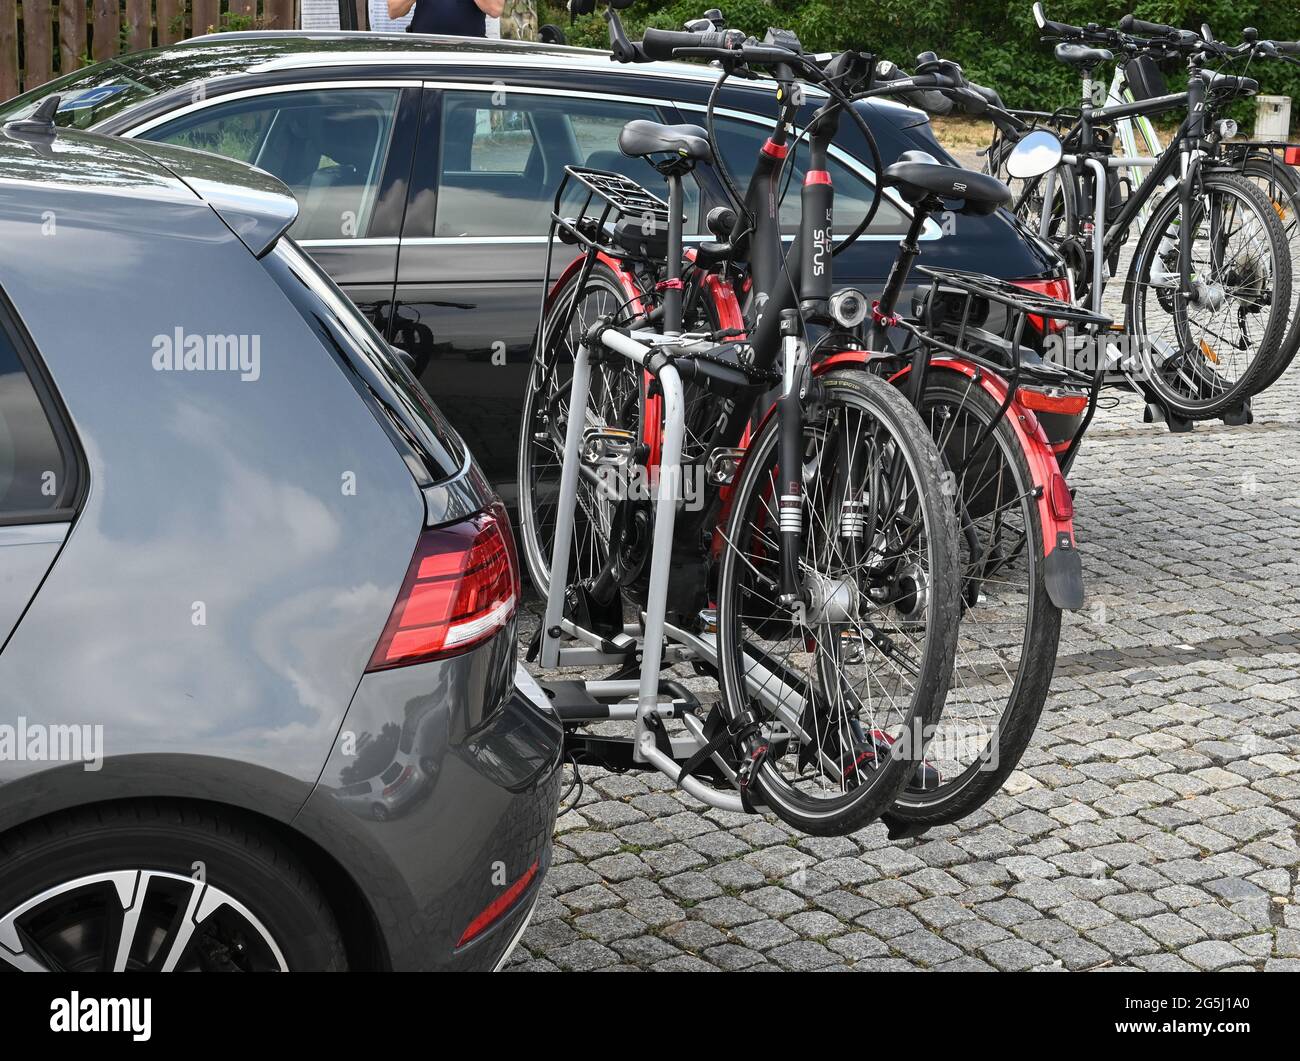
{"x": 37, "y": 472}
{"x": 400, "y": 403}
{"x": 87, "y": 96}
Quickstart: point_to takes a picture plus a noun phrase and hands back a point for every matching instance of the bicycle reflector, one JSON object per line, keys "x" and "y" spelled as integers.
{"x": 1291, "y": 156}
{"x": 1058, "y": 289}
{"x": 462, "y": 587}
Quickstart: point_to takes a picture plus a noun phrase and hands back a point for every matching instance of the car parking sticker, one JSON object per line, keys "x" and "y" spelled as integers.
{"x": 90, "y": 98}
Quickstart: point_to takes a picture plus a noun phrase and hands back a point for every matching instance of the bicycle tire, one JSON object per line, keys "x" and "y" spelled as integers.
{"x": 1152, "y": 379}
{"x": 982, "y": 638}
{"x": 1283, "y": 184}
{"x": 540, "y": 458}
{"x": 877, "y": 403}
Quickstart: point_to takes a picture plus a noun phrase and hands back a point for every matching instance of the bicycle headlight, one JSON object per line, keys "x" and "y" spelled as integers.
{"x": 849, "y": 307}
{"x": 1227, "y": 128}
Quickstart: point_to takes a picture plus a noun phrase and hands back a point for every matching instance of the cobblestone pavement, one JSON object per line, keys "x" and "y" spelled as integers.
{"x": 1152, "y": 824}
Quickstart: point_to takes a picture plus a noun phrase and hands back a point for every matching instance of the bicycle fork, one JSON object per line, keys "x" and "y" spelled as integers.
{"x": 789, "y": 411}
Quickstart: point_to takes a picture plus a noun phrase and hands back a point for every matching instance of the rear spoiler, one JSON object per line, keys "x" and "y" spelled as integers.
{"x": 255, "y": 206}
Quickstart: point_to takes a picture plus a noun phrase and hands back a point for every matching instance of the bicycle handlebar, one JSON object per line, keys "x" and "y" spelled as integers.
{"x": 1129, "y": 24}
{"x": 663, "y": 43}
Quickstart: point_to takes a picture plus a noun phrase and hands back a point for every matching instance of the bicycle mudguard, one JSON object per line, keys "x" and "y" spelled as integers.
{"x": 1063, "y": 568}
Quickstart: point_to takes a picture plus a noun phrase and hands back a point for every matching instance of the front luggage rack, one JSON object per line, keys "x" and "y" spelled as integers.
{"x": 954, "y": 308}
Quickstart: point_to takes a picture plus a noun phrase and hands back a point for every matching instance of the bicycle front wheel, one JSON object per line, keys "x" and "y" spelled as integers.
{"x": 1203, "y": 354}
{"x": 846, "y": 685}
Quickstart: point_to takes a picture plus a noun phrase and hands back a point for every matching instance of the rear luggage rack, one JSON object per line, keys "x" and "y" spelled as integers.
{"x": 959, "y": 333}
{"x": 617, "y": 215}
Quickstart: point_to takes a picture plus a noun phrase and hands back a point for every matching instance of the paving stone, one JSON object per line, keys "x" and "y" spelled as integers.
{"x": 855, "y": 946}
{"x": 925, "y": 947}
{"x": 763, "y": 935}
{"x": 1015, "y": 955}
{"x": 1121, "y": 940}
{"x": 726, "y": 912}
{"x": 1211, "y": 954}
{"x": 732, "y": 958}
{"x": 582, "y": 956}
{"x": 802, "y": 956}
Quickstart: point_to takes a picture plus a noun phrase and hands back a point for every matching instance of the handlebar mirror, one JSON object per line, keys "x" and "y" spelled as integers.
{"x": 1036, "y": 154}
{"x": 1207, "y": 34}
{"x": 1039, "y": 17}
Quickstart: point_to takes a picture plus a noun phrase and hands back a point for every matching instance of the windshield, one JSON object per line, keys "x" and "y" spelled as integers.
{"x": 88, "y": 96}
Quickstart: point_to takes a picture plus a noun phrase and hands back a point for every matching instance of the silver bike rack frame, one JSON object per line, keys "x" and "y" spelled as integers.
{"x": 564, "y": 644}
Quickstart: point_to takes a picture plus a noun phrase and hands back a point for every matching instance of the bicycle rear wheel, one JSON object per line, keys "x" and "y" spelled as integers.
{"x": 613, "y": 402}
{"x": 1007, "y": 642}
{"x": 1280, "y": 184}
{"x": 1202, "y": 356}
{"x": 847, "y": 687}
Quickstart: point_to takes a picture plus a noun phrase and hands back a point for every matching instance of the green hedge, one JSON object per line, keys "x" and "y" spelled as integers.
{"x": 995, "y": 41}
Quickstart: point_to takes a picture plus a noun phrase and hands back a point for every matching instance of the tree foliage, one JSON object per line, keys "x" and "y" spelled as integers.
{"x": 996, "y": 41}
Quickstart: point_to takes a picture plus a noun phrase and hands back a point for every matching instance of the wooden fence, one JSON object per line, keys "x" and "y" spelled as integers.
{"x": 41, "y": 39}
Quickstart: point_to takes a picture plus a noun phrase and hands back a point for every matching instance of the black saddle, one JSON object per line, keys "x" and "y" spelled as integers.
{"x": 1229, "y": 84}
{"x": 1081, "y": 56}
{"x": 918, "y": 174}
{"x": 641, "y": 138}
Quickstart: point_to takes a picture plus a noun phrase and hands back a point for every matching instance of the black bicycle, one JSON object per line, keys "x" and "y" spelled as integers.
{"x": 1208, "y": 292}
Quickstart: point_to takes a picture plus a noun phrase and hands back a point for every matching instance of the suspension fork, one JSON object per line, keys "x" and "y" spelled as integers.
{"x": 790, "y": 498}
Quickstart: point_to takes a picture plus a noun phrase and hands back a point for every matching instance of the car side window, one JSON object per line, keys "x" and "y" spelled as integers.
{"x": 739, "y": 142}
{"x": 36, "y": 476}
{"x": 500, "y": 165}
{"x": 328, "y": 145}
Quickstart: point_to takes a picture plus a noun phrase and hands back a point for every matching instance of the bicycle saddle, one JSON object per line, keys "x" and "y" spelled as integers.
{"x": 1081, "y": 55}
{"x": 640, "y": 138}
{"x": 918, "y": 174}
{"x": 1229, "y": 84}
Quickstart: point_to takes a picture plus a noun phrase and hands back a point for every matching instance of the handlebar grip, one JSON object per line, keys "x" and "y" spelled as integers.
{"x": 661, "y": 43}
{"x": 1129, "y": 24}
{"x": 1287, "y": 47}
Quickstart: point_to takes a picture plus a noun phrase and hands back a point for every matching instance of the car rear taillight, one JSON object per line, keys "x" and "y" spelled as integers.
{"x": 1291, "y": 156}
{"x": 1058, "y": 289}
{"x": 462, "y": 587}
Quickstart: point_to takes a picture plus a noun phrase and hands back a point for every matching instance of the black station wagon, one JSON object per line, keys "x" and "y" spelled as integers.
{"x": 425, "y": 169}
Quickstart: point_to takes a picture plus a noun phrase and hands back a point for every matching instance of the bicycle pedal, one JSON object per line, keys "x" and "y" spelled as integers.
{"x": 609, "y": 447}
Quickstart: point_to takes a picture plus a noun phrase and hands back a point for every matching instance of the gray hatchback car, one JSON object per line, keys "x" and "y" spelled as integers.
{"x": 259, "y": 699}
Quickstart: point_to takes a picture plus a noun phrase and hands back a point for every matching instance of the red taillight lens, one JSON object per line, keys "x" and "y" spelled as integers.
{"x": 1291, "y": 156}
{"x": 1058, "y": 289}
{"x": 1050, "y": 400}
{"x": 498, "y": 906}
{"x": 461, "y": 588}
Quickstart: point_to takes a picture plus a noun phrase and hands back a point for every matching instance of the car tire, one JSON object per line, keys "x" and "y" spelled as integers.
{"x": 64, "y": 874}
